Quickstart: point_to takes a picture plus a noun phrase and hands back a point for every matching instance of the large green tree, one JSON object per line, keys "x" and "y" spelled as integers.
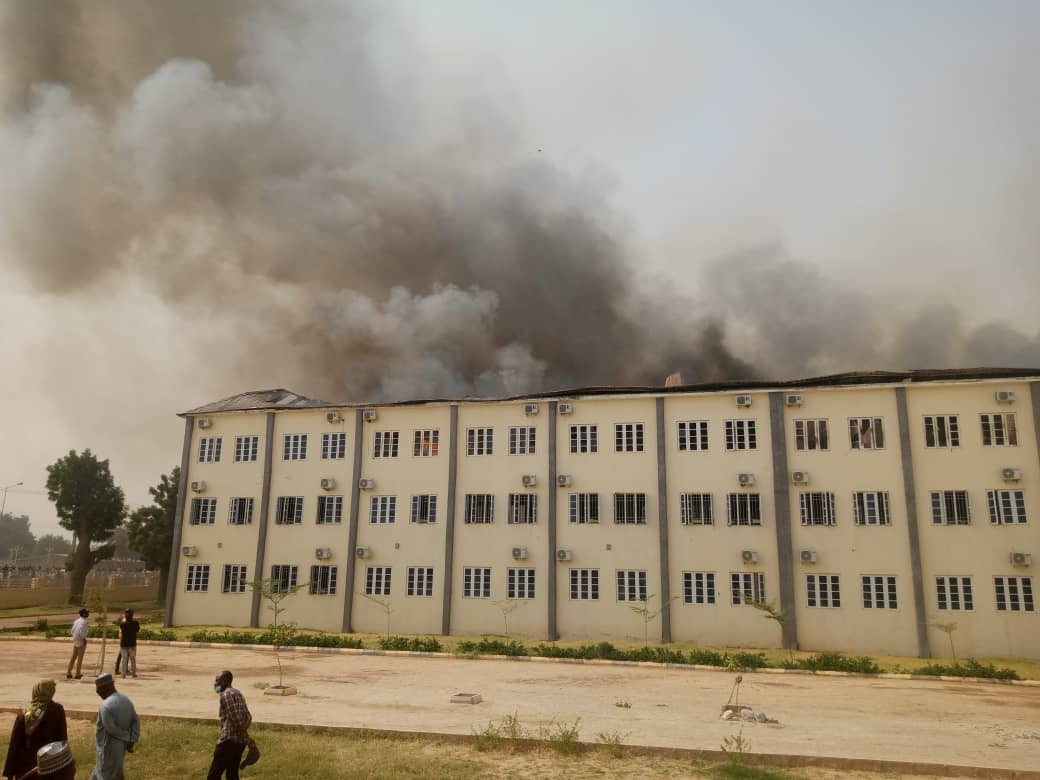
{"x": 52, "y": 543}
{"x": 15, "y": 535}
{"x": 89, "y": 505}
{"x": 151, "y": 527}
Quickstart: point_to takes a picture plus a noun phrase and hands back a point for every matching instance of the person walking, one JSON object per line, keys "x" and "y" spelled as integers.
{"x": 118, "y": 730}
{"x": 42, "y": 722}
{"x": 128, "y": 631}
{"x": 79, "y": 644}
{"x": 53, "y": 761}
{"x": 234, "y": 729}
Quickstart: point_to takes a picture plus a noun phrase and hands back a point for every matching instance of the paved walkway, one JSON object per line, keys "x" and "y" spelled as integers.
{"x": 28, "y": 621}
{"x": 939, "y": 722}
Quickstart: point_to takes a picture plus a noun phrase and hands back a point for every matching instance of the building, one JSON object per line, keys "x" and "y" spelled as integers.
{"x": 868, "y": 507}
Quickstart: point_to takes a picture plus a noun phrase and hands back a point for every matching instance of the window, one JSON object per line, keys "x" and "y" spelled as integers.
{"x": 941, "y": 431}
{"x": 521, "y": 441}
{"x": 420, "y": 581}
{"x": 743, "y": 509}
{"x": 203, "y": 511}
{"x": 584, "y": 508}
{"x": 822, "y": 590}
{"x": 695, "y": 509}
{"x": 741, "y": 435}
{"x": 698, "y": 587}
{"x": 584, "y": 439}
{"x": 377, "y": 581}
{"x": 246, "y": 448}
{"x": 1006, "y": 507}
{"x": 480, "y": 508}
{"x": 954, "y": 593}
{"x": 631, "y": 586}
{"x": 1014, "y": 594}
{"x": 811, "y": 435}
{"x": 585, "y": 584}
{"x": 333, "y": 446}
{"x": 747, "y": 587}
{"x": 234, "y": 579}
{"x": 950, "y": 507}
{"x": 523, "y": 508}
{"x": 519, "y": 583}
{"x": 476, "y": 583}
{"x": 383, "y": 510}
{"x": 288, "y": 510}
{"x": 424, "y": 509}
{"x": 630, "y": 508}
{"x": 866, "y": 433}
{"x": 817, "y": 508}
{"x": 323, "y": 580}
{"x": 999, "y": 430}
{"x": 294, "y": 446}
{"x": 426, "y": 443}
{"x": 241, "y": 511}
{"x": 693, "y": 435}
{"x": 628, "y": 437}
{"x": 871, "y": 508}
{"x": 330, "y": 510}
{"x": 480, "y": 441}
{"x": 197, "y": 580}
{"x": 209, "y": 449}
{"x": 284, "y": 578}
{"x": 386, "y": 444}
{"x": 879, "y": 592}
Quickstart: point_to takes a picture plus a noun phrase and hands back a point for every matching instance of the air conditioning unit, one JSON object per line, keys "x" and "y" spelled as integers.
{"x": 520, "y": 553}
{"x": 743, "y": 400}
{"x": 566, "y": 408}
{"x": 205, "y": 422}
{"x": 530, "y": 409}
{"x": 1005, "y": 396}
{"x": 189, "y": 551}
{"x": 565, "y": 480}
{"x": 746, "y": 480}
{"x": 333, "y": 417}
{"x": 323, "y": 553}
{"x": 1011, "y": 475}
{"x": 529, "y": 480}
{"x": 564, "y": 555}
{"x": 793, "y": 400}
{"x": 370, "y": 415}
{"x": 1021, "y": 559}
{"x": 749, "y": 556}
{"x": 362, "y": 552}
{"x": 807, "y": 556}
{"x": 367, "y": 484}
{"x": 198, "y": 486}
{"x": 328, "y": 484}
{"x": 800, "y": 477}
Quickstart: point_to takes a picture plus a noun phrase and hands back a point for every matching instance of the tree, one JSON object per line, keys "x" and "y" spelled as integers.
{"x": 151, "y": 527}
{"x": 274, "y": 592}
{"x": 15, "y": 535}
{"x": 644, "y": 610}
{"x": 948, "y": 629}
{"x": 52, "y": 543}
{"x": 508, "y": 607}
{"x": 384, "y": 604}
{"x": 88, "y": 504}
{"x": 774, "y": 613}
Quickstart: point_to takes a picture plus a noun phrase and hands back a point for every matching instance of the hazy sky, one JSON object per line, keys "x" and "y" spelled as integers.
{"x": 876, "y": 162}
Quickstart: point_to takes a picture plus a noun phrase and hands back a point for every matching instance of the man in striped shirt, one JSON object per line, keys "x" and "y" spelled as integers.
{"x": 234, "y": 729}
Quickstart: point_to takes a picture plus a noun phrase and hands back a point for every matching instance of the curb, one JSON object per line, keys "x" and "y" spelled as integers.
{"x": 544, "y": 659}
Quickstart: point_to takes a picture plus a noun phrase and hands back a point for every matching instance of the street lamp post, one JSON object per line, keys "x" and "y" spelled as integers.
{"x": 3, "y": 503}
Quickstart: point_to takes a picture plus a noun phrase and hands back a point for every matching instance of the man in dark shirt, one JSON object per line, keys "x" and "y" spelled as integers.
{"x": 128, "y": 630}
{"x": 234, "y": 729}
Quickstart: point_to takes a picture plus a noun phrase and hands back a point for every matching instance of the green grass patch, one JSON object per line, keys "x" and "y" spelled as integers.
{"x": 71, "y": 609}
{"x": 970, "y": 668}
{"x": 745, "y": 772}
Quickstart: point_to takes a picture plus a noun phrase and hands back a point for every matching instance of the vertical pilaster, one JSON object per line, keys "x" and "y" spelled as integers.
{"x": 662, "y": 523}
{"x": 178, "y": 522}
{"x": 551, "y": 632}
{"x": 449, "y": 519}
{"x": 912, "y": 528}
{"x": 1034, "y": 396}
{"x": 352, "y": 521}
{"x": 782, "y": 514}
{"x": 265, "y": 512}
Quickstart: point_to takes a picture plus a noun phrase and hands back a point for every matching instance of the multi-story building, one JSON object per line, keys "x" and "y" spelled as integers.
{"x": 868, "y": 507}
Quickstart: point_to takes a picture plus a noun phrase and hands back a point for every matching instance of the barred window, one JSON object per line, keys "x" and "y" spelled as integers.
{"x": 628, "y": 437}
{"x": 523, "y": 508}
{"x": 630, "y": 508}
{"x": 323, "y": 580}
{"x": 871, "y": 508}
{"x": 519, "y": 583}
{"x": 584, "y": 508}
{"x": 584, "y": 439}
{"x": 822, "y": 590}
{"x": 333, "y": 446}
{"x": 203, "y": 511}
{"x": 631, "y": 585}
{"x": 522, "y": 440}
{"x": 999, "y": 430}
{"x": 424, "y": 509}
{"x": 1014, "y": 594}
{"x": 741, "y": 435}
{"x": 330, "y": 510}
{"x": 941, "y": 431}
{"x": 585, "y": 584}
{"x": 698, "y": 587}
{"x": 954, "y": 593}
{"x": 294, "y": 446}
{"x": 283, "y": 578}
{"x": 197, "y": 580}
{"x": 288, "y": 510}
{"x": 693, "y": 435}
{"x": 811, "y": 435}
{"x": 383, "y": 510}
{"x": 246, "y": 448}
{"x": 743, "y": 509}
{"x": 748, "y": 587}
{"x": 866, "y": 433}
{"x": 209, "y": 449}
{"x": 234, "y": 578}
{"x": 240, "y": 511}
{"x": 377, "y": 581}
{"x": 480, "y": 441}
{"x": 1006, "y": 507}
{"x": 479, "y": 509}
{"x": 695, "y": 509}
{"x": 426, "y": 443}
{"x": 879, "y": 591}
{"x": 817, "y": 508}
{"x": 476, "y": 582}
{"x": 950, "y": 507}
{"x": 420, "y": 581}
{"x": 386, "y": 444}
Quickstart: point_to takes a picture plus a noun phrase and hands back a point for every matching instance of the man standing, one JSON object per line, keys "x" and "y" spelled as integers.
{"x": 118, "y": 730}
{"x": 128, "y": 630}
{"x": 79, "y": 644}
{"x": 234, "y": 729}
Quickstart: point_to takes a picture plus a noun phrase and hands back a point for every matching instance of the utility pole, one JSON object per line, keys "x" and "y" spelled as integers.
{"x": 3, "y": 503}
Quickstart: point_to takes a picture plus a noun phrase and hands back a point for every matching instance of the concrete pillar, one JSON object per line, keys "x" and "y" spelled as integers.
{"x": 178, "y": 522}
{"x": 782, "y": 512}
{"x": 265, "y": 511}
{"x": 551, "y": 631}
{"x": 449, "y": 519}
{"x": 662, "y": 523}
{"x": 910, "y": 495}
{"x": 352, "y": 521}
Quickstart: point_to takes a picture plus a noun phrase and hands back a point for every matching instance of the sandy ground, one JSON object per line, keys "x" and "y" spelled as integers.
{"x": 918, "y": 721}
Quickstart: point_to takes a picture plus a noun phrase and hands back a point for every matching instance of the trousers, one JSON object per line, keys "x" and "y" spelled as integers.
{"x": 226, "y": 757}
{"x": 127, "y": 658}
{"x": 78, "y": 651}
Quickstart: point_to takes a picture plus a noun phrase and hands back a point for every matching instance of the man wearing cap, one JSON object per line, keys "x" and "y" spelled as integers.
{"x": 118, "y": 730}
{"x": 54, "y": 761}
{"x": 128, "y": 630}
{"x": 234, "y": 729}
{"x": 79, "y": 644}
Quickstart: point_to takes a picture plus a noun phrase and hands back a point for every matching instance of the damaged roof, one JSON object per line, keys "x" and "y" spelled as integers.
{"x": 271, "y": 400}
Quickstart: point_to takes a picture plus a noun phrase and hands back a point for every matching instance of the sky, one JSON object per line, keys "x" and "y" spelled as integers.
{"x": 828, "y": 186}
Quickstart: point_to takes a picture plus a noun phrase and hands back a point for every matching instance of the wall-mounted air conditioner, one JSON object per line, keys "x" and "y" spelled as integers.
{"x": 362, "y": 552}
{"x": 370, "y": 415}
{"x": 793, "y": 400}
{"x": 520, "y": 553}
{"x": 323, "y": 553}
{"x": 566, "y": 408}
{"x": 564, "y": 480}
{"x": 530, "y": 409}
{"x": 800, "y": 477}
{"x": 807, "y": 556}
{"x": 333, "y": 417}
{"x": 749, "y": 556}
{"x": 1005, "y": 396}
{"x": 529, "y": 480}
{"x": 198, "y": 486}
{"x": 564, "y": 555}
{"x": 1021, "y": 559}
{"x": 328, "y": 484}
{"x": 367, "y": 484}
{"x": 743, "y": 400}
{"x": 205, "y": 422}
{"x": 745, "y": 479}
{"x": 1011, "y": 475}
{"x": 189, "y": 551}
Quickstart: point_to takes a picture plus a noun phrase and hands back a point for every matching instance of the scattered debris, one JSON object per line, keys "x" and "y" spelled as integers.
{"x": 466, "y": 698}
{"x": 734, "y": 710}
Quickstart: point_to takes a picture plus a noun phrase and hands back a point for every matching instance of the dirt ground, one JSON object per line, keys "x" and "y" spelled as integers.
{"x": 938, "y": 722}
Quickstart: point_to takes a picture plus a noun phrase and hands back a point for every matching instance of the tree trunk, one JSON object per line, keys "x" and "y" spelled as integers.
{"x": 80, "y": 569}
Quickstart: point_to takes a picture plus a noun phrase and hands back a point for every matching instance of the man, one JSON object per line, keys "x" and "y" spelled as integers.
{"x": 54, "y": 761}
{"x": 118, "y": 730}
{"x": 79, "y": 644}
{"x": 128, "y": 630}
{"x": 234, "y": 729}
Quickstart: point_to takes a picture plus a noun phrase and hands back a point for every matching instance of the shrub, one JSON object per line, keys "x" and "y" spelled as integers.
{"x": 161, "y": 635}
{"x": 267, "y": 638}
{"x": 971, "y": 668}
{"x": 707, "y": 658}
{"x": 41, "y": 624}
{"x": 746, "y": 661}
{"x": 412, "y": 643}
{"x": 836, "y": 662}
{"x": 94, "y": 632}
{"x": 488, "y": 646}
